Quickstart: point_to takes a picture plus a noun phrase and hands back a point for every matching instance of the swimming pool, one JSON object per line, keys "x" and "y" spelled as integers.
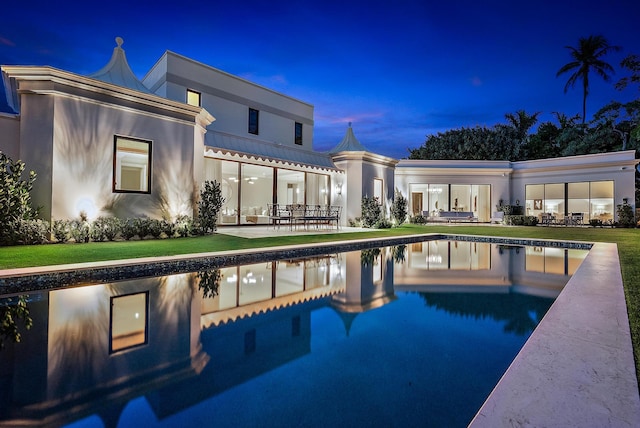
{"x": 415, "y": 333}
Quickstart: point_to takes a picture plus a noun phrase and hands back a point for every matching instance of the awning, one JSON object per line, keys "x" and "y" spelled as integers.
{"x": 264, "y": 150}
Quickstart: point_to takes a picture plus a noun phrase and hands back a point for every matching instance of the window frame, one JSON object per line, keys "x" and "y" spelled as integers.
{"x": 251, "y": 127}
{"x": 112, "y": 349}
{"x": 297, "y": 134}
{"x": 117, "y": 164}
{"x": 199, "y": 94}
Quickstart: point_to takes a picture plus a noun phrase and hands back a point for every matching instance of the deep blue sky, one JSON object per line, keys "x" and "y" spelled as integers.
{"x": 399, "y": 70}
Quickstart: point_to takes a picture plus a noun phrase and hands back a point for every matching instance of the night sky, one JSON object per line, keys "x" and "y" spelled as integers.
{"x": 399, "y": 70}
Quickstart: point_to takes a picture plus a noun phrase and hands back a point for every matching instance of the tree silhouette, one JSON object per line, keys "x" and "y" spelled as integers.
{"x": 587, "y": 57}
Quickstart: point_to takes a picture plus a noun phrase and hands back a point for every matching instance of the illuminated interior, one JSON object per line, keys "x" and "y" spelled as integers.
{"x": 132, "y": 165}
{"x": 128, "y": 321}
{"x": 446, "y": 255}
{"x": 248, "y": 190}
{"x": 431, "y": 199}
{"x": 592, "y": 200}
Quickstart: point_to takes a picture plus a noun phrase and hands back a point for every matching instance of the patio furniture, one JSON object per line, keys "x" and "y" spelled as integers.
{"x": 547, "y": 219}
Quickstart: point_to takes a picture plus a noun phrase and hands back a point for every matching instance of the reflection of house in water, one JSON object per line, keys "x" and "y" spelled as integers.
{"x": 460, "y": 266}
{"x": 93, "y": 349}
{"x": 110, "y": 343}
{"x": 369, "y": 279}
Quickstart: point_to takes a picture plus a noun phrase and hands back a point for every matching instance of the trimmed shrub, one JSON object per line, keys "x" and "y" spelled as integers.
{"x": 155, "y": 228}
{"x": 418, "y": 219}
{"x": 383, "y": 223}
{"x": 105, "y": 228}
{"x": 128, "y": 229}
{"x": 399, "y": 208}
{"x": 79, "y": 229}
{"x": 625, "y": 216}
{"x": 61, "y": 230}
{"x": 209, "y": 205}
{"x": 33, "y": 231}
{"x": 520, "y": 220}
{"x": 184, "y": 225}
{"x": 371, "y": 212}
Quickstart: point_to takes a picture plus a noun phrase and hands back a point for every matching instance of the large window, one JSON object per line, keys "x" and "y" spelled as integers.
{"x": 290, "y": 187}
{"x": 317, "y": 189}
{"x": 131, "y": 165}
{"x": 297, "y": 138}
{"x": 256, "y": 193}
{"x": 590, "y": 200}
{"x": 194, "y": 98}
{"x": 254, "y": 121}
{"x": 229, "y": 186}
{"x": 378, "y": 192}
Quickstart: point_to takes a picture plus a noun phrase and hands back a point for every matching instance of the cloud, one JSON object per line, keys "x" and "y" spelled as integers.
{"x": 6, "y": 42}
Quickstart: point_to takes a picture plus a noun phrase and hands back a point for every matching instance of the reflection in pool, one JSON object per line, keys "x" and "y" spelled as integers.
{"x": 405, "y": 335}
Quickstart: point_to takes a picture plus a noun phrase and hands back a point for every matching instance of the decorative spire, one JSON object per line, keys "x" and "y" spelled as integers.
{"x": 349, "y": 143}
{"x": 118, "y": 72}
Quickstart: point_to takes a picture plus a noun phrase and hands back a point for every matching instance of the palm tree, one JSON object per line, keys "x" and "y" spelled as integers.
{"x": 522, "y": 122}
{"x": 587, "y": 57}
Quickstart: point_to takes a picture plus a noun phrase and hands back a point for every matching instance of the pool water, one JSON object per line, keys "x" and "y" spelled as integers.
{"x": 383, "y": 337}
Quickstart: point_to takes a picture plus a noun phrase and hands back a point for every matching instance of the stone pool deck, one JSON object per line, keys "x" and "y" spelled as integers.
{"x": 576, "y": 370}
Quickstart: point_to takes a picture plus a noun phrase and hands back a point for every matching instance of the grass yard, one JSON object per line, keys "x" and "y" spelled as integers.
{"x": 628, "y": 241}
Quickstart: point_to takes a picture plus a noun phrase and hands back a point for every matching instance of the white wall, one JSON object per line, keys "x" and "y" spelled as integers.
{"x": 228, "y": 98}
{"x": 10, "y": 135}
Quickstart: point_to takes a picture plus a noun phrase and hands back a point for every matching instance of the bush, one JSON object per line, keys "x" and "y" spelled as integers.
{"x": 399, "y": 208}
{"x": 79, "y": 228}
{"x": 15, "y": 199}
{"x": 128, "y": 229}
{"x": 356, "y": 222}
{"x": 61, "y": 230}
{"x": 184, "y": 225}
{"x": 33, "y": 231}
{"x": 625, "y": 216}
{"x": 105, "y": 228}
{"x": 168, "y": 227}
{"x": 371, "y": 212}
{"x": 418, "y": 219}
{"x": 383, "y": 223}
{"x": 595, "y": 222}
{"x": 142, "y": 226}
{"x": 209, "y": 205}
{"x": 513, "y": 210}
{"x": 520, "y": 220}
{"x": 155, "y": 228}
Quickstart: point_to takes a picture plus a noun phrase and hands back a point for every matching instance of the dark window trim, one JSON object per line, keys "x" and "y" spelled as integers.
{"x": 194, "y": 92}
{"x": 297, "y": 136}
{"x": 146, "y": 322}
{"x": 254, "y": 129}
{"x": 115, "y": 165}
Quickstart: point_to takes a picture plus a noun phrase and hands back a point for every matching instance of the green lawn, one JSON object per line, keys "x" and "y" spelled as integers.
{"x": 628, "y": 241}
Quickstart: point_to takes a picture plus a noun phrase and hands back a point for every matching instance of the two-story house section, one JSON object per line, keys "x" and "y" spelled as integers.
{"x": 260, "y": 146}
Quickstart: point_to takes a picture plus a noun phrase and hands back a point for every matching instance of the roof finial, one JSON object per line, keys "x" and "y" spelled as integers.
{"x": 119, "y": 41}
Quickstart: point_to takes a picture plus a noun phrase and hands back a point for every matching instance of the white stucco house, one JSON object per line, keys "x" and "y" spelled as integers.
{"x": 111, "y": 144}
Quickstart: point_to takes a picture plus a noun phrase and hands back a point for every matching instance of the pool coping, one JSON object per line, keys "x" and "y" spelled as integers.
{"x": 576, "y": 369}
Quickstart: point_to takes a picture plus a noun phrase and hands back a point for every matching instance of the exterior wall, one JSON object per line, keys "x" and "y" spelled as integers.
{"x": 494, "y": 174}
{"x": 352, "y": 192}
{"x": 617, "y": 166}
{"x": 10, "y": 135}
{"x": 229, "y": 98}
{"x": 67, "y": 137}
{"x": 84, "y": 156}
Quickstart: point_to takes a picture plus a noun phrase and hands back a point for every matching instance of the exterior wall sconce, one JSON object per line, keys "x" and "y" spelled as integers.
{"x": 338, "y": 189}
